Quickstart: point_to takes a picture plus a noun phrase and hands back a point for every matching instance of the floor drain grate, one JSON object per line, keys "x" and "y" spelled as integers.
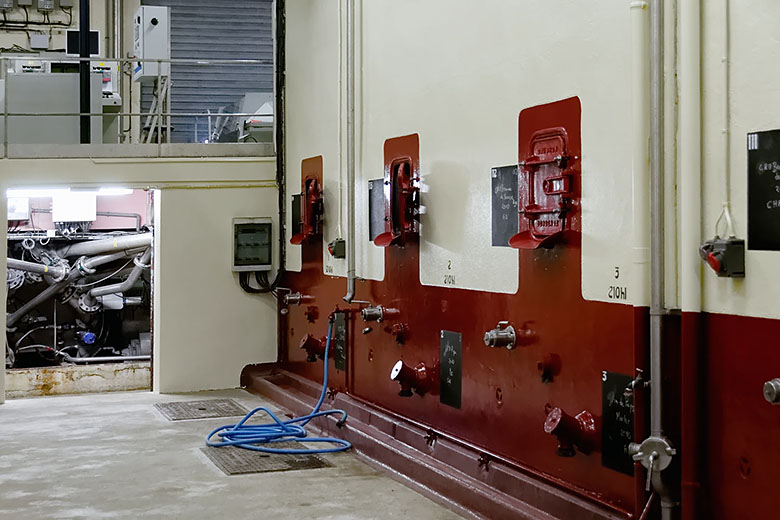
{"x": 238, "y": 461}
{"x": 183, "y": 410}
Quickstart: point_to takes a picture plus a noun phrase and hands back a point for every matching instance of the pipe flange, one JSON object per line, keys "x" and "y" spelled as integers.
{"x": 67, "y": 293}
{"x": 82, "y": 267}
{"x": 15, "y": 279}
{"x": 138, "y": 264}
{"x": 64, "y": 269}
{"x": 654, "y": 453}
{"x": 88, "y": 303}
{"x": 33, "y": 277}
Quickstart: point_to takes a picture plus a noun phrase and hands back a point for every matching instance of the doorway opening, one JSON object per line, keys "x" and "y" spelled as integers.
{"x": 79, "y": 290}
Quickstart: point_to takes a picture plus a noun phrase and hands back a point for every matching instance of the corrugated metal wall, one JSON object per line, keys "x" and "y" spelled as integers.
{"x": 208, "y": 29}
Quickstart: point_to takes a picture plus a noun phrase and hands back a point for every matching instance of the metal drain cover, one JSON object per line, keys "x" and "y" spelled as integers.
{"x": 238, "y": 461}
{"x": 209, "y": 409}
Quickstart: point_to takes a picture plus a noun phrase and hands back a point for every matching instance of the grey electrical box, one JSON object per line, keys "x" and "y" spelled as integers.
{"x": 252, "y": 246}
{"x": 24, "y": 3}
{"x": 6, "y": 5}
{"x": 39, "y": 41}
{"x": 66, "y": 3}
{"x": 46, "y": 6}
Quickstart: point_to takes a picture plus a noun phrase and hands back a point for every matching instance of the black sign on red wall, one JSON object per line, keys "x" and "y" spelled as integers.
{"x": 764, "y": 190}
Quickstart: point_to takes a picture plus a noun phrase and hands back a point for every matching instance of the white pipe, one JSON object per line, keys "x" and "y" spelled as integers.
{"x": 640, "y": 82}
{"x": 726, "y": 100}
{"x": 689, "y": 146}
{"x": 350, "y": 151}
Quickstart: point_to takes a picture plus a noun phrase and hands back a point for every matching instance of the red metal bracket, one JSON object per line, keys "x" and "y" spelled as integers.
{"x": 401, "y": 191}
{"x": 311, "y": 201}
{"x": 549, "y": 169}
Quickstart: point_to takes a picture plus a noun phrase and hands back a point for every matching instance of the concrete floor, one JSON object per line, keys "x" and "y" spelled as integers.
{"x": 115, "y": 456}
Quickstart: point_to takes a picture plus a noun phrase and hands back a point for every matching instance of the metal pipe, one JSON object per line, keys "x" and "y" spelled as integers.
{"x": 656, "y": 211}
{"x": 141, "y": 264}
{"x": 104, "y": 359}
{"x": 81, "y": 268}
{"x": 350, "y": 152}
{"x": 56, "y": 271}
{"x": 106, "y": 245}
{"x": 84, "y": 72}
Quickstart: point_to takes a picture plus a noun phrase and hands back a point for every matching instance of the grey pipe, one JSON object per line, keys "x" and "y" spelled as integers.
{"x": 107, "y": 245}
{"x": 135, "y": 216}
{"x": 104, "y": 359}
{"x": 80, "y": 269}
{"x": 141, "y": 264}
{"x": 350, "y": 152}
{"x": 55, "y": 271}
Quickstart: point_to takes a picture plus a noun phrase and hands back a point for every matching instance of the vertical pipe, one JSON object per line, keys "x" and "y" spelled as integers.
{"x": 656, "y": 211}
{"x": 350, "y": 151}
{"x": 118, "y": 17}
{"x": 689, "y": 188}
{"x": 85, "y": 106}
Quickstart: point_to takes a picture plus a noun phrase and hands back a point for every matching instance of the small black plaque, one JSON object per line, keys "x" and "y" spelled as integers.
{"x": 450, "y": 368}
{"x": 340, "y": 341}
{"x": 504, "y": 204}
{"x": 617, "y": 427}
{"x": 376, "y": 208}
{"x": 764, "y": 190}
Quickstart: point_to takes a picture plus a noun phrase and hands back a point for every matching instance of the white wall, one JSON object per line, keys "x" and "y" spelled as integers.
{"x": 206, "y": 329}
{"x": 199, "y": 223}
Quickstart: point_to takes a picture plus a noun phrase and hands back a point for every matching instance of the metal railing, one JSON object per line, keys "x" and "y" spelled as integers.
{"x": 131, "y": 142}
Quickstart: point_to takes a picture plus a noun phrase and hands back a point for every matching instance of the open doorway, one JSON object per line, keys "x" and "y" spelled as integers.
{"x": 79, "y": 301}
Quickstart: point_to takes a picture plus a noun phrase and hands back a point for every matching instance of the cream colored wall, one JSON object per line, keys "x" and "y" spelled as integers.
{"x": 233, "y": 330}
{"x": 459, "y": 75}
{"x": 755, "y": 89}
{"x": 205, "y": 327}
{"x": 97, "y": 22}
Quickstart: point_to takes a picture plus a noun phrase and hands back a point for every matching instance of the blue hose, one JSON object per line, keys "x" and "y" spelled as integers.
{"x": 257, "y": 436}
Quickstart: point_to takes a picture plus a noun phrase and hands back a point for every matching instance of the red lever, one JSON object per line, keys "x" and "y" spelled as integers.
{"x": 714, "y": 262}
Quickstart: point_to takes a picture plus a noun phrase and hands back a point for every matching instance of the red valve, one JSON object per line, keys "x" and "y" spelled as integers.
{"x": 713, "y": 262}
{"x": 417, "y": 378}
{"x": 311, "y": 207}
{"x": 315, "y": 348}
{"x": 579, "y": 431}
{"x": 549, "y": 367}
{"x": 399, "y": 330}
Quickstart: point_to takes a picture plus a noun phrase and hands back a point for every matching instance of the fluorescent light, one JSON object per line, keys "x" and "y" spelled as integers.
{"x": 34, "y": 193}
{"x": 112, "y": 191}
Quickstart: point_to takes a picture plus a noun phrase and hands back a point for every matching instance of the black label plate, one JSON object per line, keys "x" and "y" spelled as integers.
{"x": 450, "y": 368}
{"x": 764, "y": 190}
{"x": 617, "y": 427}
{"x": 504, "y": 206}
{"x": 340, "y": 341}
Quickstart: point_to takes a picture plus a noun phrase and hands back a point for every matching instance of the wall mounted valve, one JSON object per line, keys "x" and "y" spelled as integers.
{"x": 725, "y": 256}
{"x": 401, "y": 191}
{"x": 314, "y": 347}
{"x": 418, "y": 379}
{"x": 502, "y": 336}
{"x": 297, "y": 298}
{"x": 549, "y": 367}
{"x": 378, "y": 313}
{"x": 579, "y": 431}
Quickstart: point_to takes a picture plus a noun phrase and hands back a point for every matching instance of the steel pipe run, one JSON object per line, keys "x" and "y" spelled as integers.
{"x": 104, "y": 359}
{"x": 107, "y": 245}
{"x": 82, "y": 267}
{"x": 55, "y": 271}
{"x": 655, "y": 453}
{"x": 141, "y": 263}
{"x": 351, "y": 276}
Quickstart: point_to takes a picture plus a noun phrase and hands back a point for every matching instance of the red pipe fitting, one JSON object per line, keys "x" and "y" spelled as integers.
{"x": 315, "y": 348}
{"x": 400, "y": 331}
{"x": 579, "y": 431}
{"x": 417, "y": 378}
{"x": 549, "y": 367}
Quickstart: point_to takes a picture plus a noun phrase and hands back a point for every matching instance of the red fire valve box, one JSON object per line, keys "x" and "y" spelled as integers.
{"x": 548, "y": 184}
{"x": 308, "y": 223}
{"x": 401, "y": 191}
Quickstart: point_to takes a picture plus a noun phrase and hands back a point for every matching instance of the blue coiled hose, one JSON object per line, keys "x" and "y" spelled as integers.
{"x": 257, "y": 436}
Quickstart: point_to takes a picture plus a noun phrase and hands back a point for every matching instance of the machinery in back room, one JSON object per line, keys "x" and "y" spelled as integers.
{"x": 76, "y": 294}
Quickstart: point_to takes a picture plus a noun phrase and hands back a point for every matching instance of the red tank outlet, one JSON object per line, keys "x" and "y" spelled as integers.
{"x": 418, "y": 378}
{"x": 579, "y": 431}
{"x": 314, "y": 347}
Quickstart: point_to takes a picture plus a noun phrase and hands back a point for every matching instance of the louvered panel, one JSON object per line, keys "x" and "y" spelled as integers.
{"x": 205, "y": 29}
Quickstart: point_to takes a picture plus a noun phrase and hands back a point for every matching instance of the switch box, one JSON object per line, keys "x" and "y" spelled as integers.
{"x": 24, "y": 3}
{"x": 151, "y": 41}
{"x": 66, "y": 3}
{"x": 46, "y": 6}
{"x": 725, "y": 256}
{"x": 252, "y": 246}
